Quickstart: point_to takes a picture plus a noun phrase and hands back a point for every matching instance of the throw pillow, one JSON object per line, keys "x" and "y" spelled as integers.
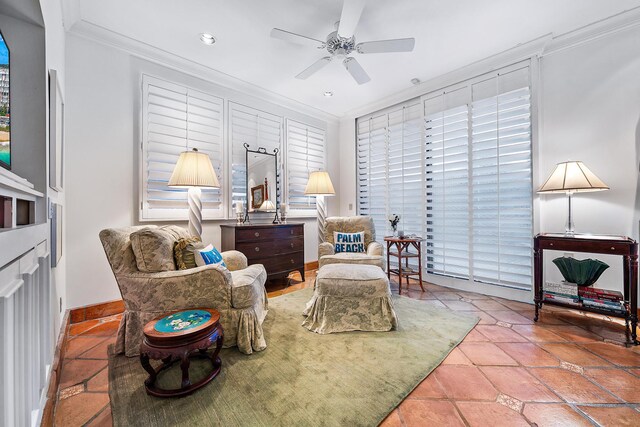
{"x": 348, "y": 242}
{"x": 153, "y": 247}
{"x": 209, "y": 255}
{"x": 184, "y": 252}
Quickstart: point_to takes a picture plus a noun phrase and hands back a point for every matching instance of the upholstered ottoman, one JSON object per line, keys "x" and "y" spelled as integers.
{"x": 350, "y": 297}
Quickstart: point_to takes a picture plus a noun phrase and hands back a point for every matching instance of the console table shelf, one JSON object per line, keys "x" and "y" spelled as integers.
{"x": 597, "y": 244}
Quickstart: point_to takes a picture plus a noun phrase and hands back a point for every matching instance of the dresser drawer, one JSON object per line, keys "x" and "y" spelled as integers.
{"x": 273, "y": 248}
{"x": 267, "y": 233}
{"x": 280, "y": 263}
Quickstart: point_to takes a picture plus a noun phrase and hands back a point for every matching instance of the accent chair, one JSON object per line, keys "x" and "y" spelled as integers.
{"x": 351, "y": 224}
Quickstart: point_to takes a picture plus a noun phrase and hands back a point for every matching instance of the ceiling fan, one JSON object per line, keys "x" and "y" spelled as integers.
{"x": 340, "y": 44}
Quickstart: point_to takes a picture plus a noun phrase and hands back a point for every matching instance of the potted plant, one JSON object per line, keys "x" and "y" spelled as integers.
{"x": 394, "y": 219}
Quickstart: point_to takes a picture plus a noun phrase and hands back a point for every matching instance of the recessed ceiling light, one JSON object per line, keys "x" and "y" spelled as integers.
{"x": 328, "y": 93}
{"x": 207, "y": 38}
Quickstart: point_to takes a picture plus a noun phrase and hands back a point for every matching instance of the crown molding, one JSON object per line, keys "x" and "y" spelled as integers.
{"x": 613, "y": 24}
{"x": 540, "y": 47}
{"x": 95, "y": 33}
{"x": 508, "y": 57}
{"x": 70, "y": 13}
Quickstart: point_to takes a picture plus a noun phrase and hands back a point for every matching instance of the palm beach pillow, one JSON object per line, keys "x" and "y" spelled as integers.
{"x": 209, "y": 255}
{"x": 348, "y": 242}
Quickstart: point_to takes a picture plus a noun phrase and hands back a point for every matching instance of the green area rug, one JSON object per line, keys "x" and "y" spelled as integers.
{"x": 302, "y": 378}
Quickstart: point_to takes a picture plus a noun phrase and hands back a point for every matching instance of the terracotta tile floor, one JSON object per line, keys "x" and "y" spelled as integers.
{"x": 568, "y": 369}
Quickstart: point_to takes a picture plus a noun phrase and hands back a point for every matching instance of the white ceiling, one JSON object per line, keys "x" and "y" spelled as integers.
{"x": 449, "y": 35}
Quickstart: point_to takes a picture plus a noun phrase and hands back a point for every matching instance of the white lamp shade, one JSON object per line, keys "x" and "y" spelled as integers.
{"x": 194, "y": 169}
{"x": 572, "y": 177}
{"x": 319, "y": 184}
{"x": 267, "y": 205}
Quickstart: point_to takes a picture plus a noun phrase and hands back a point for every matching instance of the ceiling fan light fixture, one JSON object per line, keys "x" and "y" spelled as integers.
{"x": 328, "y": 93}
{"x": 341, "y": 43}
{"x": 207, "y": 39}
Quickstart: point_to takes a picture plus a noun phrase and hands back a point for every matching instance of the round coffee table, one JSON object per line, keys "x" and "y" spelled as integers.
{"x": 179, "y": 336}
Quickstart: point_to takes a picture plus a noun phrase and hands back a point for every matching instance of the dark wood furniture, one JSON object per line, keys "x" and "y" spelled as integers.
{"x": 399, "y": 247}
{"x": 171, "y": 347}
{"x": 597, "y": 244}
{"x": 279, "y": 247}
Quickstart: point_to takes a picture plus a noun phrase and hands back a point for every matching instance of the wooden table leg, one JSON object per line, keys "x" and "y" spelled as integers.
{"x": 631, "y": 283}
{"x": 537, "y": 279}
{"x": 418, "y": 246}
{"x": 184, "y": 366}
{"x": 389, "y": 261}
{"x": 144, "y": 361}
{"x": 399, "y": 247}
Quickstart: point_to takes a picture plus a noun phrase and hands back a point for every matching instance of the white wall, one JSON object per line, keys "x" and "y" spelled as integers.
{"x": 348, "y": 184}
{"x": 589, "y": 110}
{"x": 103, "y": 87}
{"x": 55, "y": 59}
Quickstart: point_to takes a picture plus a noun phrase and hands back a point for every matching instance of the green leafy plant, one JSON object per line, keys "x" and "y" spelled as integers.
{"x": 583, "y": 272}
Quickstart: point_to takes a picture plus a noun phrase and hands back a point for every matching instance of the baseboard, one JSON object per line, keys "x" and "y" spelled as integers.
{"x": 48, "y": 413}
{"x": 313, "y": 265}
{"x": 110, "y": 308}
{"x": 96, "y": 311}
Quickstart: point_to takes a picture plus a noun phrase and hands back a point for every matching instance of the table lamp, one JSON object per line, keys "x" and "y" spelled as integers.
{"x": 571, "y": 177}
{"x": 194, "y": 171}
{"x": 320, "y": 185}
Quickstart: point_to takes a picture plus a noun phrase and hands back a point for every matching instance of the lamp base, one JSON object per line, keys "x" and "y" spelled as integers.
{"x": 195, "y": 211}
{"x": 569, "y": 229}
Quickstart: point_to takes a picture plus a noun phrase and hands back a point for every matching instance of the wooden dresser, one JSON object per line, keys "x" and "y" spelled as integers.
{"x": 279, "y": 247}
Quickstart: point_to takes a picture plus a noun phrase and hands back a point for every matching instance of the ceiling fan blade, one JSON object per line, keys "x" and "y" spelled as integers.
{"x": 314, "y": 68}
{"x": 384, "y": 46}
{"x": 355, "y": 69}
{"x": 288, "y": 36}
{"x": 351, "y": 11}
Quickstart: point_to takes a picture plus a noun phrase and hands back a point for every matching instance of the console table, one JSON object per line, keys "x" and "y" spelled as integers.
{"x": 612, "y": 245}
{"x": 402, "y": 246}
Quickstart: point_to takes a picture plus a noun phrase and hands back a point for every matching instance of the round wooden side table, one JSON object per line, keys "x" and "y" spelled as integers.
{"x": 179, "y": 336}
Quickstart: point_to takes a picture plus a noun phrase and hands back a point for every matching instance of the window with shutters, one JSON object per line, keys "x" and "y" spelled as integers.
{"x": 305, "y": 154}
{"x": 174, "y": 119}
{"x": 258, "y": 129}
{"x": 447, "y": 184}
{"x": 471, "y": 154}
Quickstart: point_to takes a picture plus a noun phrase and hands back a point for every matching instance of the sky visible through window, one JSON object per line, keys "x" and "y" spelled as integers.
{"x": 5, "y": 121}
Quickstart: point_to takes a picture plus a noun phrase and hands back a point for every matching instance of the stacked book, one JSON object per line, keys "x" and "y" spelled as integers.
{"x": 565, "y": 292}
{"x": 603, "y": 299}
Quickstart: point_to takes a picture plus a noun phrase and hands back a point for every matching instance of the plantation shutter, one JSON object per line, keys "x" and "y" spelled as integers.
{"x": 305, "y": 154}
{"x": 372, "y": 171}
{"x": 501, "y": 174}
{"x": 447, "y": 184}
{"x": 405, "y": 167}
{"x": 390, "y": 171}
{"x": 174, "y": 119}
{"x": 458, "y": 171}
{"x": 258, "y": 129}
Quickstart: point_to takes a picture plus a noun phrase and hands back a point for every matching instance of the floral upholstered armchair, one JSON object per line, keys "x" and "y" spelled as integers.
{"x": 350, "y": 224}
{"x": 238, "y": 293}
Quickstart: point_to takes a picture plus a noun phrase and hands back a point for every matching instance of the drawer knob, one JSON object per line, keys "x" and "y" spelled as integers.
{"x": 292, "y": 244}
{"x": 290, "y": 231}
{"x": 257, "y": 234}
{"x": 550, "y": 244}
{"x": 613, "y": 248}
{"x": 293, "y": 262}
{"x": 257, "y": 249}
